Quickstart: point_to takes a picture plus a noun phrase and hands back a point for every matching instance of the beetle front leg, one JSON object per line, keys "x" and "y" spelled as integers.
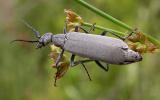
{"x": 65, "y": 28}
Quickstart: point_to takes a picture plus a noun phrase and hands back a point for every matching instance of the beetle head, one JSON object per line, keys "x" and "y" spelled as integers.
{"x": 44, "y": 40}
{"x": 131, "y": 56}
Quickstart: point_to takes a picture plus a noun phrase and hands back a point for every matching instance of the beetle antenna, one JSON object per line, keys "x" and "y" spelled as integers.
{"x": 30, "y": 41}
{"x": 37, "y": 34}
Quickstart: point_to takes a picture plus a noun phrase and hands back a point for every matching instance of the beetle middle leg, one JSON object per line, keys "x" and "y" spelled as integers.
{"x": 90, "y": 30}
{"x": 72, "y": 63}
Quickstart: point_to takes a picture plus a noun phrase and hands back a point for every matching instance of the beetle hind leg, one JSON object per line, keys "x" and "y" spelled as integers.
{"x": 105, "y": 32}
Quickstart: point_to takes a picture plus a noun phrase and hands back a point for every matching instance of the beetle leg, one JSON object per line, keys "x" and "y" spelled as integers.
{"x": 72, "y": 63}
{"x": 101, "y": 66}
{"x": 76, "y": 28}
{"x": 122, "y": 38}
{"x": 129, "y": 34}
{"x": 134, "y": 31}
{"x": 65, "y": 28}
{"x": 90, "y": 30}
{"x": 83, "y": 29}
{"x": 104, "y": 33}
{"x": 59, "y": 58}
{"x": 64, "y": 31}
{"x": 86, "y": 71}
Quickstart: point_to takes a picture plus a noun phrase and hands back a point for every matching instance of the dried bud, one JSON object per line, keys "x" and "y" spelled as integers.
{"x": 140, "y": 43}
{"x": 72, "y": 19}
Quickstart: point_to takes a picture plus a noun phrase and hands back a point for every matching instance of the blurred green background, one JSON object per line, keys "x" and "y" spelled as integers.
{"x": 26, "y": 73}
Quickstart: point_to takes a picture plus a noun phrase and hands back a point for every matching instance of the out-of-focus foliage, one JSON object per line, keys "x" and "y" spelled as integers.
{"x": 26, "y": 73}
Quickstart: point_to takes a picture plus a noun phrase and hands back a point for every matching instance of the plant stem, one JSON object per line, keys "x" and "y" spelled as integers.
{"x": 150, "y": 38}
{"x": 114, "y": 20}
{"x": 103, "y": 28}
{"x": 105, "y": 15}
{"x": 153, "y": 40}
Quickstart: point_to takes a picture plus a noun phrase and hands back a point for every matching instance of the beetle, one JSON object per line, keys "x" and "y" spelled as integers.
{"x": 96, "y": 48}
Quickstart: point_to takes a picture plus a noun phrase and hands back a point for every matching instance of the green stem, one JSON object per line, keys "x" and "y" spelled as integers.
{"x": 103, "y": 14}
{"x": 153, "y": 40}
{"x": 114, "y": 20}
{"x": 150, "y": 38}
{"x": 103, "y": 28}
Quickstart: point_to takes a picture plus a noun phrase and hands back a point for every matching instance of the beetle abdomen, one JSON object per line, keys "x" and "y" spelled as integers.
{"x": 95, "y": 47}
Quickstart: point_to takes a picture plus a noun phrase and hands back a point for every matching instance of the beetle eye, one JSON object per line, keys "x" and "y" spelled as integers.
{"x": 124, "y": 48}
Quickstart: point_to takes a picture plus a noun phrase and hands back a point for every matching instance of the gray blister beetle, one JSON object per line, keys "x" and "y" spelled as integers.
{"x": 97, "y": 48}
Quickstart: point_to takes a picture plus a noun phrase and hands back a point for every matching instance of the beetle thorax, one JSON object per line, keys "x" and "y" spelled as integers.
{"x": 59, "y": 40}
